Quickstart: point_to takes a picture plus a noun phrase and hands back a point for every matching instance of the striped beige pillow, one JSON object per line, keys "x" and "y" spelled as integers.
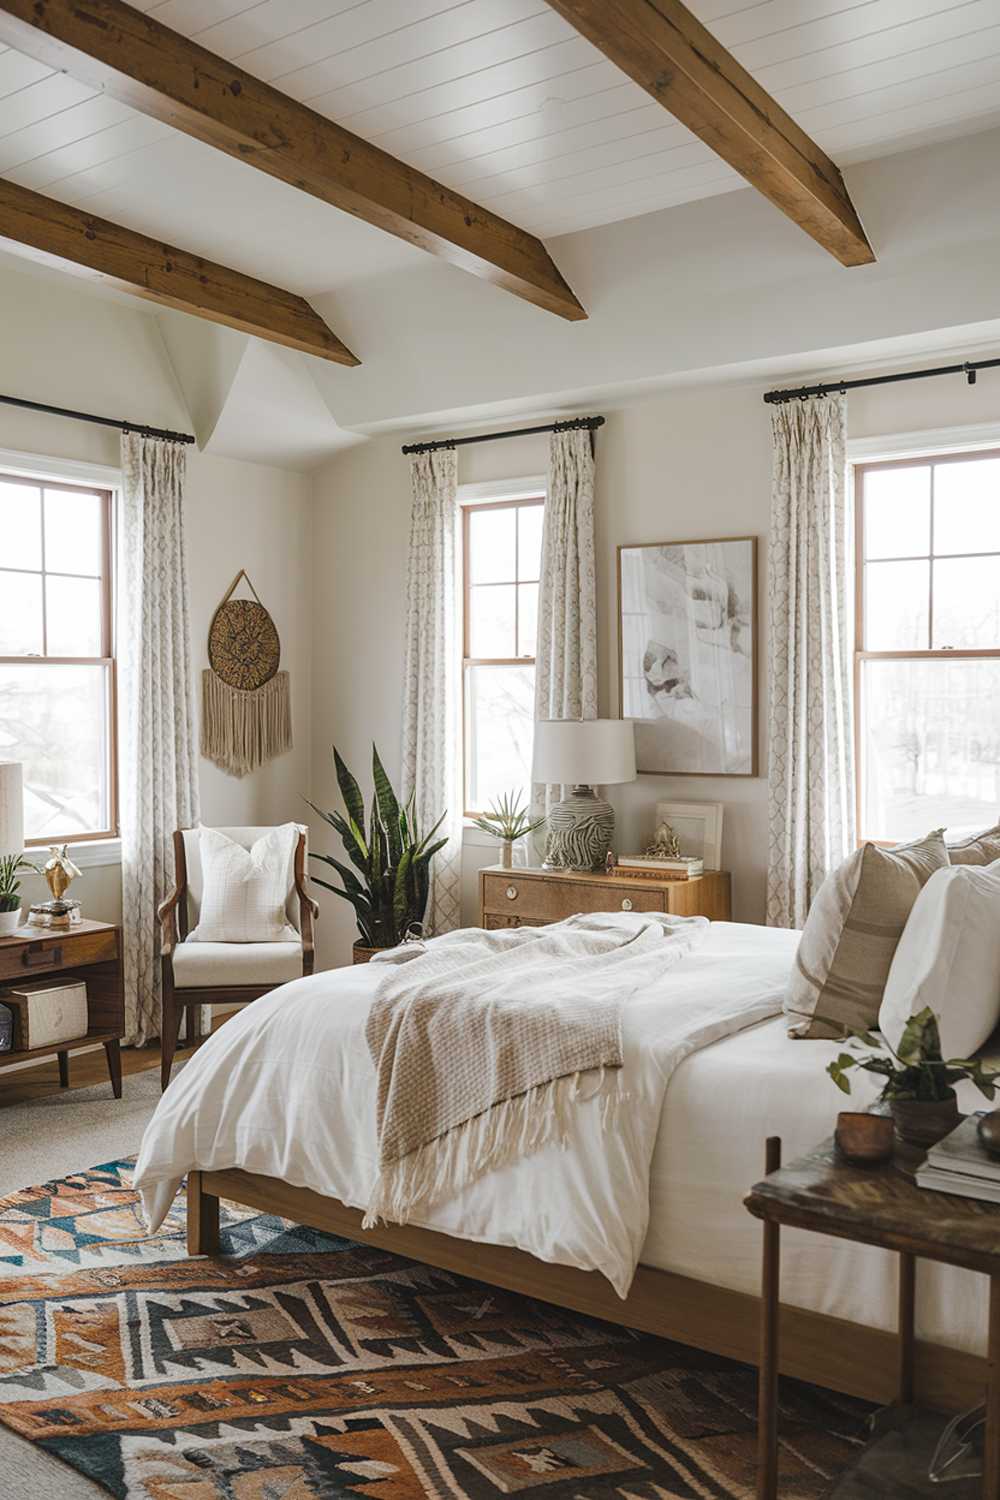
{"x": 983, "y": 849}
{"x": 851, "y": 934}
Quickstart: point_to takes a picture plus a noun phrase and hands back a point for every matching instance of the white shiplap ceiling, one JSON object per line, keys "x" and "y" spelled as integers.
{"x": 499, "y": 98}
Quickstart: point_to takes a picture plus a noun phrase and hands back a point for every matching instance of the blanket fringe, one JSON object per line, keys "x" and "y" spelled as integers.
{"x": 509, "y": 1131}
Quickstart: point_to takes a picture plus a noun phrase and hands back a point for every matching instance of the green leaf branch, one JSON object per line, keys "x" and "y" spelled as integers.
{"x": 913, "y": 1070}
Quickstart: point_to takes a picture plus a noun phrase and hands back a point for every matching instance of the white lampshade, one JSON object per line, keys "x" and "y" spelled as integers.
{"x": 584, "y": 752}
{"x": 11, "y": 808}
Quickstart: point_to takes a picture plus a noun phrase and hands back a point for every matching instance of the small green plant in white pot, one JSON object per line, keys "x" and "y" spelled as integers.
{"x": 10, "y": 891}
{"x": 508, "y": 821}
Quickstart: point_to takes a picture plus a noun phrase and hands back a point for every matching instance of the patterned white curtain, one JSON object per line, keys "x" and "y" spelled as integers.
{"x": 431, "y": 688}
{"x": 159, "y": 770}
{"x": 566, "y": 650}
{"x": 811, "y": 780}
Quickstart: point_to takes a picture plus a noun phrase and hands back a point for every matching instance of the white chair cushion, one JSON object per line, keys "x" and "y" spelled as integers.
{"x": 245, "y": 890}
{"x": 949, "y": 958}
{"x": 205, "y": 965}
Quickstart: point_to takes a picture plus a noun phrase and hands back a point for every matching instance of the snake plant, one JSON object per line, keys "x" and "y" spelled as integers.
{"x": 391, "y": 856}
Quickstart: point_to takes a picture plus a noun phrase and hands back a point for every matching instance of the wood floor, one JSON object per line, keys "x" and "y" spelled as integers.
{"x": 20, "y": 1085}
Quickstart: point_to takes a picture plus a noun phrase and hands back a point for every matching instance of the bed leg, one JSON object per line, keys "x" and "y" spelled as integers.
{"x": 202, "y": 1218}
{"x": 767, "y": 1379}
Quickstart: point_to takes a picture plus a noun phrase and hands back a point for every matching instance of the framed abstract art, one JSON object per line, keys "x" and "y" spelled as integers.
{"x": 687, "y": 641}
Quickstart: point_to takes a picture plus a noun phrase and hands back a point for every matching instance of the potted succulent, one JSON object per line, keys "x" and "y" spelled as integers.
{"x": 918, "y": 1080}
{"x": 10, "y": 891}
{"x": 508, "y": 821}
{"x": 390, "y": 882}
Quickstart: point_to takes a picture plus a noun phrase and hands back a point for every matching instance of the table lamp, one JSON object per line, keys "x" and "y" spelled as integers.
{"x": 582, "y": 754}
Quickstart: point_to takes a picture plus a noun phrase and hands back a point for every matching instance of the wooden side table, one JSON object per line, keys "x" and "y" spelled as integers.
{"x": 880, "y": 1206}
{"x": 533, "y": 897}
{"x": 91, "y": 951}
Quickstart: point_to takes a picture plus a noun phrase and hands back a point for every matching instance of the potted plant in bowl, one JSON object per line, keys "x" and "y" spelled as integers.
{"x": 508, "y": 821}
{"x": 10, "y": 891}
{"x": 391, "y": 856}
{"x": 918, "y": 1080}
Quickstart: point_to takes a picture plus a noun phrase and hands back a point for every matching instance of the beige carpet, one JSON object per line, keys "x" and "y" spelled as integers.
{"x": 48, "y": 1138}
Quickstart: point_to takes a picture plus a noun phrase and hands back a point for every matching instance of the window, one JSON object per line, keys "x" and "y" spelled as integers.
{"x": 502, "y": 560}
{"x": 57, "y": 670}
{"x": 927, "y": 660}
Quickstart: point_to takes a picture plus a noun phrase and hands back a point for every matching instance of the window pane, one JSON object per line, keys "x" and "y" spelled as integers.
{"x": 73, "y": 526}
{"x": 499, "y": 728}
{"x": 21, "y": 614}
{"x": 21, "y": 525}
{"x": 529, "y": 541}
{"x": 527, "y": 618}
{"x": 967, "y": 506}
{"x": 898, "y": 512}
{"x": 491, "y": 620}
{"x": 897, "y": 606}
{"x": 967, "y": 602}
{"x": 492, "y": 546}
{"x": 54, "y": 719}
{"x": 73, "y": 617}
{"x": 930, "y": 746}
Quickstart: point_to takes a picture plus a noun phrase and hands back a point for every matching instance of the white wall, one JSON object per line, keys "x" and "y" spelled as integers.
{"x": 688, "y": 465}
{"x": 93, "y": 354}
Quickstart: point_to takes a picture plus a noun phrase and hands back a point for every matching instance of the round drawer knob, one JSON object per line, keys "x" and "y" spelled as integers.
{"x": 512, "y": 893}
{"x": 626, "y": 904}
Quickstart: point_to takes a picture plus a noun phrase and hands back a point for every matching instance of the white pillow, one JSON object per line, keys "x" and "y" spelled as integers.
{"x": 244, "y": 890}
{"x": 949, "y": 958}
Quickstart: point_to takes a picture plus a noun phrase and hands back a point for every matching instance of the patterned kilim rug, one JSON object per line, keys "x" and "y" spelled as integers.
{"x": 297, "y": 1365}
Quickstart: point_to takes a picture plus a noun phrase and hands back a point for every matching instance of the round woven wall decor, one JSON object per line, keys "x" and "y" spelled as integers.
{"x": 243, "y": 645}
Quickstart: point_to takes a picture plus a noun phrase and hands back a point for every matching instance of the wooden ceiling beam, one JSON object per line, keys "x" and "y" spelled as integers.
{"x": 165, "y": 75}
{"x": 663, "y": 48}
{"x": 56, "y": 233}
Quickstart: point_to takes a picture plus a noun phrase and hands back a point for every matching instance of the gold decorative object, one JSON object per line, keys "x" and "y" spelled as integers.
{"x": 59, "y": 871}
{"x": 246, "y": 714}
{"x": 665, "y": 845}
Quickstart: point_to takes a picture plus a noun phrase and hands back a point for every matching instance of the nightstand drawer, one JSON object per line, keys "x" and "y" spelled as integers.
{"x": 531, "y": 899}
{"x": 56, "y": 951}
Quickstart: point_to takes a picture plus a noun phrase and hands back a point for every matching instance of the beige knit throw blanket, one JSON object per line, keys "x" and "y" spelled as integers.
{"x": 480, "y": 1040}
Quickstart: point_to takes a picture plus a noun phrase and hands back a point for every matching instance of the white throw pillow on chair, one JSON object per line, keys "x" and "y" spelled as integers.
{"x": 949, "y": 958}
{"x": 244, "y": 891}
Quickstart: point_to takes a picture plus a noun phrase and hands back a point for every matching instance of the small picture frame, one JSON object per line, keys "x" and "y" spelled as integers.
{"x": 698, "y": 826}
{"x": 687, "y": 655}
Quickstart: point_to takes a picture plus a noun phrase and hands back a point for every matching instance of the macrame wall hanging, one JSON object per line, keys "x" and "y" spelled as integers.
{"x": 246, "y": 713}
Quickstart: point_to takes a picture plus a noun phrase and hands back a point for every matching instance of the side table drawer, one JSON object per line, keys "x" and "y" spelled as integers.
{"x": 539, "y": 901}
{"x": 56, "y": 951}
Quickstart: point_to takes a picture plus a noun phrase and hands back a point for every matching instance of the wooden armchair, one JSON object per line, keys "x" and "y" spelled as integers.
{"x": 197, "y": 974}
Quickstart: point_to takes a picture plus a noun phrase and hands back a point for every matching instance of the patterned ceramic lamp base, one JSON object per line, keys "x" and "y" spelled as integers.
{"x": 580, "y": 831}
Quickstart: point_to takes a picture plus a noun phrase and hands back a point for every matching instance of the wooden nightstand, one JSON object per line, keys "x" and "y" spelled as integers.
{"x": 534, "y": 897}
{"x": 91, "y": 951}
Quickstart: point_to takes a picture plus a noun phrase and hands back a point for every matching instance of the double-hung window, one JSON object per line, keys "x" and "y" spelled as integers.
{"x": 501, "y": 565}
{"x": 927, "y": 660}
{"x": 57, "y": 667}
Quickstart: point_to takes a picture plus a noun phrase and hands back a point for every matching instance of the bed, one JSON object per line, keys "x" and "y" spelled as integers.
{"x": 280, "y": 1117}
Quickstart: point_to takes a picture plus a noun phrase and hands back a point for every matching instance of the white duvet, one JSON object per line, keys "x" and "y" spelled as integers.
{"x": 287, "y": 1089}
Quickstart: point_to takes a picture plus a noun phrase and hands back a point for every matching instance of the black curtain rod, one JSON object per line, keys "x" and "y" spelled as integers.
{"x": 86, "y": 416}
{"x": 572, "y": 424}
{"x": 967, "y": 368}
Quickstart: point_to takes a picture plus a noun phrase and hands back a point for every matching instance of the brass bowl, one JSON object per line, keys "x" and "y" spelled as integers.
{"x": 988, "y": 1131}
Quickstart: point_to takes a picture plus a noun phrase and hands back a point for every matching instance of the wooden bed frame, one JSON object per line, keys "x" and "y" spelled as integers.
{"x": 827, "y": 1351}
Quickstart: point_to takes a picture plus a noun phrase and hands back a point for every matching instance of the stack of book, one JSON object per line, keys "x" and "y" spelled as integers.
{"x": 55, "y": 915}
{"x": 959, "y": 1164}
{"x": 652, "y": 865}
